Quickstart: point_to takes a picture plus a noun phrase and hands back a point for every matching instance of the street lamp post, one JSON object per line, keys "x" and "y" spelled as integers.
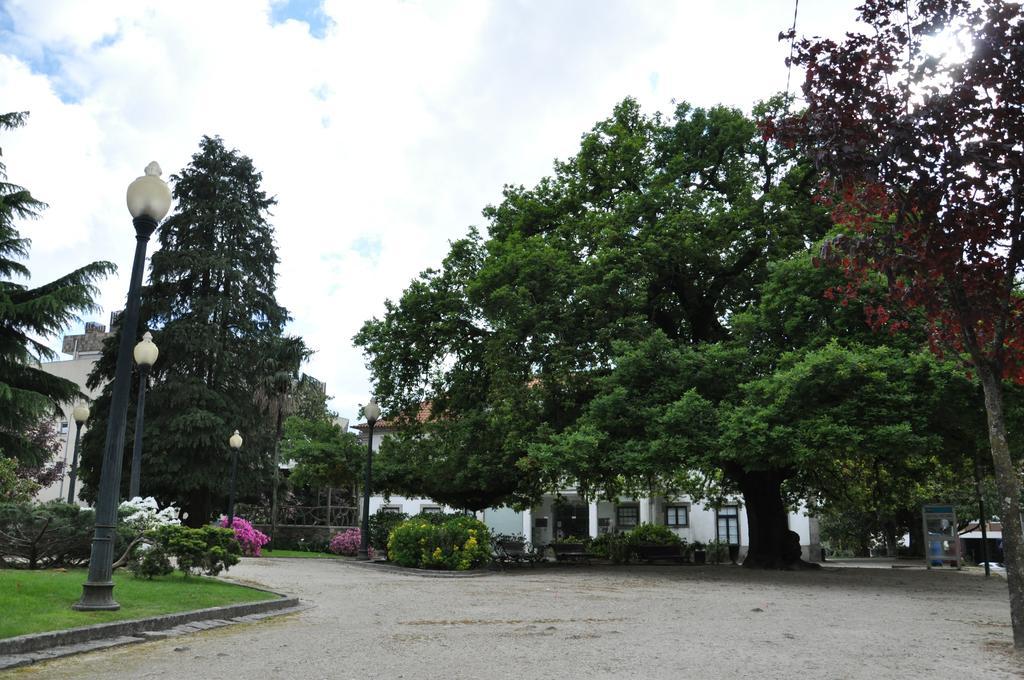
{"x": 372, "y": 412}
{"x": 80, "y": 414}
{"x": 149, "y": 199}
{"x": 145, "y": 354}
{"x": 235, "y": 441}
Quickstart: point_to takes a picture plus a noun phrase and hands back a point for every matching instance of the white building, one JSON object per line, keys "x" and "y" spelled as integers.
{"x": 568, "y": 514}
{"x": 85, "y": 350}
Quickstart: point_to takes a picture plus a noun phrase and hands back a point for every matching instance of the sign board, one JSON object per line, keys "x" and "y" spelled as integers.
{"x": 941, "y": 542}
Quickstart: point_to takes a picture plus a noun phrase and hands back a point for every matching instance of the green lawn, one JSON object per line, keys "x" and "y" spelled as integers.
{"x": 37, "y": 601}
{"x": 297, "y": 553}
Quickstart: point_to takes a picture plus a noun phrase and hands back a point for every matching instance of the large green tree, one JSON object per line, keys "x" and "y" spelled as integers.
{"x": 28, "y": 315}
{"x": 211, "y": 306}
{"x": 657, "y": 225}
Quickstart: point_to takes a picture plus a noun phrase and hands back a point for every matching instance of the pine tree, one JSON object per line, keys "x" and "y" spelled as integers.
{"x": 27, "y": 393}
{"x": 211, "y": 306}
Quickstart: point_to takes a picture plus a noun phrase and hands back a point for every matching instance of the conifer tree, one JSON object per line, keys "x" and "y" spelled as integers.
{"x": 27, "y": 393}
{"x": 211, "y": 306}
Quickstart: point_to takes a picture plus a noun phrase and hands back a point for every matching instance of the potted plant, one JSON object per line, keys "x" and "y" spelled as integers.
{"x": 717, "y": 552}
{"x": 700, "y": 553}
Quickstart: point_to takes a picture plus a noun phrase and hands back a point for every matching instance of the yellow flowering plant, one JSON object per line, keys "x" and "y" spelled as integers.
{"x": 457, "y": 543}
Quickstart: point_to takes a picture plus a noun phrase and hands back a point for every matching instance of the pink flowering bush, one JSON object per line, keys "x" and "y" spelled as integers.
{"x": 252, "y": 540}
{"x": 346, "y": 543}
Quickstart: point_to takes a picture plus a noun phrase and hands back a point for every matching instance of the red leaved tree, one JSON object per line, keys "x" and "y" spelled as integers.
{"x": 917, "y": 124}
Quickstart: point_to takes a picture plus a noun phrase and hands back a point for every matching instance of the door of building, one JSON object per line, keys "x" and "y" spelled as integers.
{"x": 729, "y": 529}
{"x": 572, "y": 519}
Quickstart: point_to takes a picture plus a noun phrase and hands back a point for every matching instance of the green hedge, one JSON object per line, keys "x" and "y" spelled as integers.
{"x": 54, "y": 534}
{"x": 459, "y": 543}
{"x": 206, "y": 550}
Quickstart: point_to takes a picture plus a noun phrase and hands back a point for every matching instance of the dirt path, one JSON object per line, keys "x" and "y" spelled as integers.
{"x": 593, "y": 622}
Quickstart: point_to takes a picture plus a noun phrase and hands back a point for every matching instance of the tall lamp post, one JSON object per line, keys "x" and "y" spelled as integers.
{"x": 80, "y": 414}
{"x": 145, "y": 354}
{"x": 149, "y": 199}
{"x": 235, "y": 441}
{"x": 372, "y": 412}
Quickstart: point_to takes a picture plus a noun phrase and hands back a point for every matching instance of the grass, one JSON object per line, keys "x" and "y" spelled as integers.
{"x": 297, "y": 553}
{"x": 38, "y": 601}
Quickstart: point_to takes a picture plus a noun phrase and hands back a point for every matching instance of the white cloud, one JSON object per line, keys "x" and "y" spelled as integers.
{"x": 391, "y": 132}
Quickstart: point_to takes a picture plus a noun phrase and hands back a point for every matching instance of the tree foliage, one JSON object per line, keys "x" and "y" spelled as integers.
{"x": 649, "y": 321}
{"x": 923, "y": 162}
{"x": 324, "y": 455}
{"x": 29, "y": 314}
{"x": 211, "y": 306}
{"x": 656, "y": 228}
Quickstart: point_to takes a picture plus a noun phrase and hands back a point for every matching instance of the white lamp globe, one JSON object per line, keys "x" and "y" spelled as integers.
{"x": 146, "y": 351}
{"x": 149, "y": 195}
{"x": 371, "y": 411}
{"x": 235, "y": 440}
{"x": 80, "y": 413}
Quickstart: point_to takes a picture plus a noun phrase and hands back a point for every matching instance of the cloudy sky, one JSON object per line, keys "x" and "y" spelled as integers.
{"x": 382, "y": 127}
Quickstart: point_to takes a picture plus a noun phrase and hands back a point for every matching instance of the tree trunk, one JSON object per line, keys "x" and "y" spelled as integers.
{"x": 1009, "y": 492}
{"x": 912, "y": 519}
{"x": 771, "y": 544}
{"x": 199, "y": 507}
{"x": 889, "y": 532}
{"x": 277, "y": 472}
{"x": 863, "y": 545}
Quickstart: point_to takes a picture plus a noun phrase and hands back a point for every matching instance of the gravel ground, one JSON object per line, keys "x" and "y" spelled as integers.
{"x": 592, "y": 622}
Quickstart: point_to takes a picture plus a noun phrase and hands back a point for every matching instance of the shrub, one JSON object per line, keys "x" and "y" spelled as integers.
{"x": 585, "y": 540}
{"x": 249, "y": 538}
{"x": 718, "y": 551}
{"x": 208, "y": 550}
{"x": 616, "y": 547}
{"x": 382, "y": 523}
{"x": 654, "y": 534}
{"x": 140, "y": 515}
{"x": 14, "y": 489}
{"x": 150, "y": 561}
{"x": 459, "y": 543}
{"x": 47, "y": 535}
{"x": 346, "y": 543}
{"x": 438, "y": 517}
{"x": 599, "y": 545}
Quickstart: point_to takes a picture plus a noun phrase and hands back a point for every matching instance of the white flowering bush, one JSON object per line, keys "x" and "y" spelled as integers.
{"x": 140, "y": 515}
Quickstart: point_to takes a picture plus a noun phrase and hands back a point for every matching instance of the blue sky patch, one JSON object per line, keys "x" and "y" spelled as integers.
{"x": 309, "y": 11}
{"x": 367, "y": 247}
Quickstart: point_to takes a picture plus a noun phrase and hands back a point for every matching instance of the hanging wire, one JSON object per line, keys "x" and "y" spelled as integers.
{"x": 792, "y": 48}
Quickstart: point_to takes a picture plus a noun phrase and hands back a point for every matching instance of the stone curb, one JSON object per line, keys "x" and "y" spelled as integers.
{"x": 422, "y": 573}
{"x": 26, "y": 649}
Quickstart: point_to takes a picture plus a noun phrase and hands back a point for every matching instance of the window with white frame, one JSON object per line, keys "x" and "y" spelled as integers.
{"x": 431, "y": 509}
{"x": 391, "y": 508}
{"x": 63, "y": 427}
{"x": 677, "y": 516}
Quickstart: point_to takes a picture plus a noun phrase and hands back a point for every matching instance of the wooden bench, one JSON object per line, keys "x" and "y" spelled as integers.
{"x": 650, "y": 553}
{"x": 508, "y": 552}
{"x": 571, "y": 552}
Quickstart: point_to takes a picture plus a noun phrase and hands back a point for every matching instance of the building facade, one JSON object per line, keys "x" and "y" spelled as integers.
{"x": 84, "y": 350}
{"x": 566, "y": 514}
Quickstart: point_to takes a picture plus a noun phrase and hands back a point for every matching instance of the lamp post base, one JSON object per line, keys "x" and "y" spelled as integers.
{"x": 97, "y": 597}
{"x": 362, "y": 554}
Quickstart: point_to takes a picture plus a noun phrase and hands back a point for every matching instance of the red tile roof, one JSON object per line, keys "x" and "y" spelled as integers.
{"x": 422, "y": 415}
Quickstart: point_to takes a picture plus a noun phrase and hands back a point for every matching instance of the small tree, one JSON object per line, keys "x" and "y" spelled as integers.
{"x": 28, "y": 393}
{"x": 324, "y": 455}
{"x": 925, "y": 170}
